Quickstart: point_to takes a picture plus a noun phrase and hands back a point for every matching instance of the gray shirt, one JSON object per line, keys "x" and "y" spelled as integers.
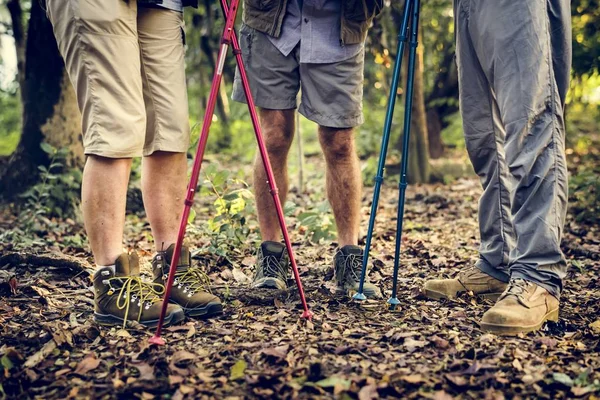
{"x": 315, "y": 24}
{"x": 175, "y": 5}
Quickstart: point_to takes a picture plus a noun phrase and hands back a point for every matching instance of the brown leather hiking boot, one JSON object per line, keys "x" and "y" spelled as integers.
{"x": 122, "y": 296}
{"x": 469, "y": 280}
{"x": 189, "y": 284}
{"x": 522, "y": 308}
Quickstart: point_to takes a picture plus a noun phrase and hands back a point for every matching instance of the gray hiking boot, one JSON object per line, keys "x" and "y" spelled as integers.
{"x": 347, "y": 265}
{"x": 272, "y": 266}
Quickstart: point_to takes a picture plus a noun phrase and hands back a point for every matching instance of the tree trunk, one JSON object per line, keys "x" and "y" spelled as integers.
{"x": 434, "y": 133}
{"x": 16, "y": 16}
{"x": 441, "y": 103}
{"x": 418, "y": 161}
{"x": 50, "y": 112}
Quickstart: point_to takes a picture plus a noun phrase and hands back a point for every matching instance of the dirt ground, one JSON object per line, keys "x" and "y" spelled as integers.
{"x": 50, "y": 347}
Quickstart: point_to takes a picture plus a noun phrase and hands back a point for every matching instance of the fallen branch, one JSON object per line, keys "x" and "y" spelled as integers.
{"x": 56, "y": 260}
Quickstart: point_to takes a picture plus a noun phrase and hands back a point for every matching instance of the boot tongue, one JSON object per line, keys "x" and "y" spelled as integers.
{"x": 275, "y": 249}
{"x": 184, "y": 255}
{"x": 134, "y": 264}
{"x": 122, "y": 267}
{"x": 350, "y": 249}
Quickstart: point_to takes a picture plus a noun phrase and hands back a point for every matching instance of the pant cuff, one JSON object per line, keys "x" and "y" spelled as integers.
{"x": 491, "y": 271}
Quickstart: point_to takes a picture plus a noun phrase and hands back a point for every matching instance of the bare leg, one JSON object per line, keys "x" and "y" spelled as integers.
{"x": 163, "y": 188}
{"x": 278, "y": 130}
{"x": 344, "y": 184}
{"x": 103, "y": 198}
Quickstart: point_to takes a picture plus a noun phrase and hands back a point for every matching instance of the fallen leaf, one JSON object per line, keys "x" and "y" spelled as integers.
{"x": 89, "y": 363}
{"x": 412, "y": 344}
{"x": 441, "y": 395}
{"x": 238, "y": 370}
{"x": 191, "y": 332}
{"x": 595, "y": 327}
{"x": 368, "y": 392}
{"x": 334, "y": 381}
{"x": 517, "y": 364}
{"x": 146, "y": 371}
{"x": 240, "y": 277}
{"x": 417, "y": 378}
{"x": 39, "y": 356}
{"x": 563, "y": 378}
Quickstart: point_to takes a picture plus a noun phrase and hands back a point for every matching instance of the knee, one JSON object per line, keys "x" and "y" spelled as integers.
{"x": 337, "y": 143}
{"x": 278, "y": 130}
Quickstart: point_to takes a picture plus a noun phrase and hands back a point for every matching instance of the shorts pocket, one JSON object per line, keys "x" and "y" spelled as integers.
{"x": 99, "y": 10}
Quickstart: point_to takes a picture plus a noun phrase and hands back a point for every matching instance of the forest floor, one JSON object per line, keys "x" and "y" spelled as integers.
{"x": 50, "y": 348}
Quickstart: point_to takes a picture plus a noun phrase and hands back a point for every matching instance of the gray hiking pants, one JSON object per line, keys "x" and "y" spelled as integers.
{"x": 514, "y": 61}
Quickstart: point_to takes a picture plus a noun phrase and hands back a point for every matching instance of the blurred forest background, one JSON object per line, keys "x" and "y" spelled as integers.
{"x": 40, "y": 147}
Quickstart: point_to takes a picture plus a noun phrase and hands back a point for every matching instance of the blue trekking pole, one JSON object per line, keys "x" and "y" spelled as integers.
{"x": 410, "y": 7}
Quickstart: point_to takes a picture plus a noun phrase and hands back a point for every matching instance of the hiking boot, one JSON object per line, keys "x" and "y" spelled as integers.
{"x": 522, "y": 308}
{"x": 122, "y": 296}
{"x": 272, "y": 266}
{"x": 469, "y": 280}
{"x": 347, "y": 265}
{"x": 189, "y": 284}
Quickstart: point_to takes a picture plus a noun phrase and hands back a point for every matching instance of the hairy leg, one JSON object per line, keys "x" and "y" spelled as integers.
{"x": 103, "y": 199}
{"x": 278, "y": 130}
{"x": 344, "y": 183}
{"x": 163, "y": 188}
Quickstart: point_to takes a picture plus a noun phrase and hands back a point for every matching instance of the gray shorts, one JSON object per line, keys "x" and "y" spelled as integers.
{"x": 331, "y": 93}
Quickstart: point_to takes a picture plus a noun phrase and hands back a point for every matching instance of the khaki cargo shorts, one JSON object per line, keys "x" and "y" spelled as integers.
{"x": 127, "y": 67}
{"x": 331, "y": 93}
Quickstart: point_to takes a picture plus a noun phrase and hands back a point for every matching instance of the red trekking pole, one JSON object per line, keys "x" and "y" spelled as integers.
{"x": 228, "y": 38}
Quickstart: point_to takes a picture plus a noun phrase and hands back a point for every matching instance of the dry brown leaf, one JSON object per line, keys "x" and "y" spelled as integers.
{"x": 39, "y": 356}
{"x": 89, "y": 363}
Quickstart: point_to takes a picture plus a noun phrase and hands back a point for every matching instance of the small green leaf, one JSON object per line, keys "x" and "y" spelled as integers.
{"x": 238, "y": 370}
{"x": 49, "y": 149}
{"x": 334, "y": 381}
{"x": 6, "y": 363}
{"x": 192, "y": 216}
{"x": 563, "y": 378}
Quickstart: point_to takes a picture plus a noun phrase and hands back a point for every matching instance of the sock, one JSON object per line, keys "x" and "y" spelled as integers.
{"x": 112, "y": 267}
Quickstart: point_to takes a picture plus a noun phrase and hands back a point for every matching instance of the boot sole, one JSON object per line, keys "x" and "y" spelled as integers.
{"x": 511, "y": 330}
{"x": 432, "y": 294}
{"x": 369, "y": 294}
{"x": 208, "y": 311}
{"x": 111, "y": 320}
{"x": 269, "y": 283}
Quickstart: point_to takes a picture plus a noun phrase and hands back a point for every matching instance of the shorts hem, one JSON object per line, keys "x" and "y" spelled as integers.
{"x": 148, "y": 151}
{"x": 332, "y": 121}
{"x": 272, "y": 104}
{"x": 112, "y": 154}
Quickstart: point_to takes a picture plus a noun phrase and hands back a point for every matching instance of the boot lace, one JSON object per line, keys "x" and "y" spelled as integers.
{"x": 351, "y": 267}
{"x": 517, "y": 288}
{"x": 273, "y": 268}
{"x": 135, "y": 290}
{"x": 192, "y": 280}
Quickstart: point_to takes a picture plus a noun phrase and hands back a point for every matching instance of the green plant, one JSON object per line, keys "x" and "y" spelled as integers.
{"x": 227, "y": 227}
{"x": 318, "y": 224}
{"x": 55, "y": 195}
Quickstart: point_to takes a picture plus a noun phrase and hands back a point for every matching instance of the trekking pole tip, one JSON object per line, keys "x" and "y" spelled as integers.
{"x": 359, "y": 296}
{"x": 157, "y": 340}
{"x": 393, "y": 302}
{"x": 307, "y": 314}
